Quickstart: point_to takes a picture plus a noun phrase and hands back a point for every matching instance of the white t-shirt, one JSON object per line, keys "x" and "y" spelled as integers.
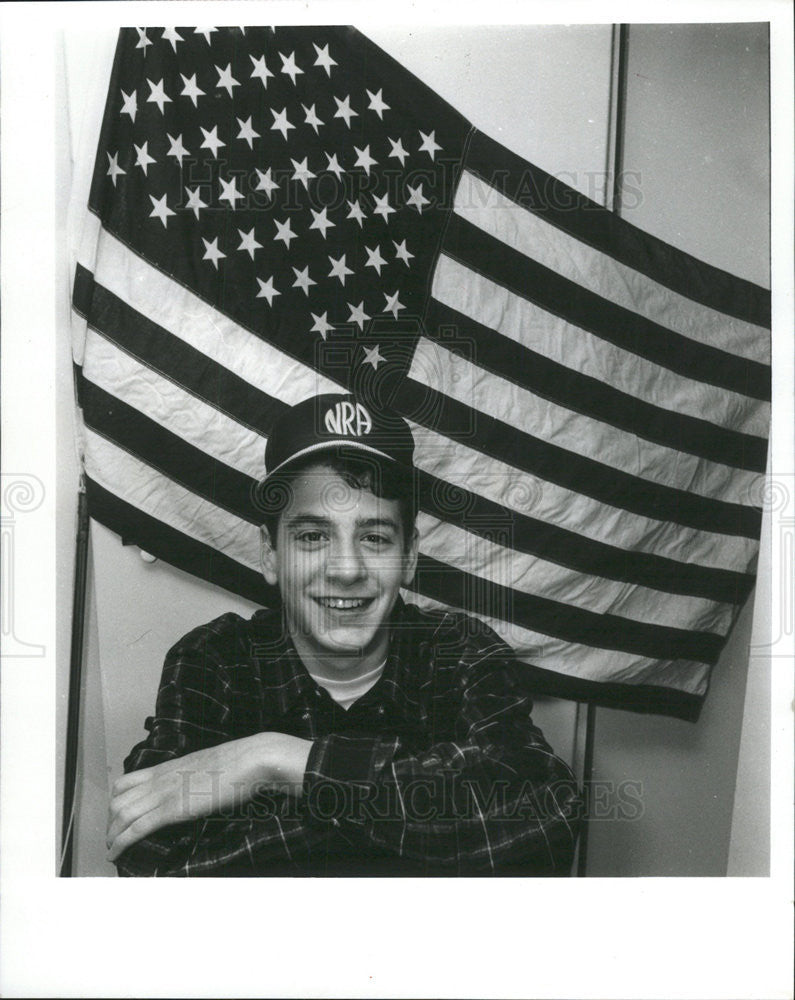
{"x": 346, "y": 692}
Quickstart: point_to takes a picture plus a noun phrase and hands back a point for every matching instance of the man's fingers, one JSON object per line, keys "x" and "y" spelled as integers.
{"x": 127, "y": 781}
{"x": 128, "y": 814}
{"x": 137, "y": 830}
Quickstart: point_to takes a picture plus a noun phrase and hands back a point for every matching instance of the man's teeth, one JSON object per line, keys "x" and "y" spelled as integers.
{"x": 343, "y": 603}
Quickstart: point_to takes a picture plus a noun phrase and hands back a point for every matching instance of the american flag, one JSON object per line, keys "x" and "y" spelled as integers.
{"x": 280, "y": 212}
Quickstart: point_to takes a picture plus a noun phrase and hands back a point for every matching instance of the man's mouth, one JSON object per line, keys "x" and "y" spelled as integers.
{"x": 344, "y": 603}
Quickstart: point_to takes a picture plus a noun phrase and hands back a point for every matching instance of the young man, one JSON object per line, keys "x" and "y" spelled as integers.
{"x": 346, "y": 732}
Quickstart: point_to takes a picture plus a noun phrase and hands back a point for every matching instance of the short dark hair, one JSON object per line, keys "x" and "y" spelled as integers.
{"x": 360, "y": 470}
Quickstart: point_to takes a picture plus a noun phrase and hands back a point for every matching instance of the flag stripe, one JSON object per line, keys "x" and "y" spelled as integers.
{"x": 562, "y": 384}
{"x": 531, "y": 187}
{"x": 523, "y": 451}
{"x": 151, "y": 533}
{"x": 478, "y": 515}
{"x": 479, "y": 596}
{"x": 177, "y": 309}
{"x": 160, "y": 350}
{"x": 621, "y": 326}
{"x": 495, "y": 560}
{"x": 468, "y": 472}
{"x": 192, "y": 504}
{"x": 143, "y": 390}
{"x": 590, "y": 662}
{"x": 567, "y": 429}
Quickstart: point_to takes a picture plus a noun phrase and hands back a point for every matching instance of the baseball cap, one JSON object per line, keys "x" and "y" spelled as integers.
{"x": 332, "y": 420}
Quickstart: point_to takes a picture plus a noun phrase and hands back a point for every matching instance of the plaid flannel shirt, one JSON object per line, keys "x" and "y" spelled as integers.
{"x": 436, "y": 770}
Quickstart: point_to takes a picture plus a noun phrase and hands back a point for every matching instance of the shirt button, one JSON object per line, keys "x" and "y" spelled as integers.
{"x": 306, "y": 716}
{"x": 380, "y": 709}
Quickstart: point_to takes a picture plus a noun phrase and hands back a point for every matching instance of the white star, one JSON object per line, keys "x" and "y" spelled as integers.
{"x": 311, "y": 118}
{"x": 334, "y": 166}
{"x": 191, "y": 88}
{"x": 285, "y": 232}
{"x": 211, "y": 140}
{"x": 143, "y": 41}
{"x": 266, "y": 183}
{"x": 302, "y": 279}
{"x": 225, "y": 79}
{"x": 321, "y": 221}
{"x": 429, "y": 144}
{"x": 364, "y": 159}
{"x": 113, "y": 167}
{"x": 261, "y": 72}
{"x": 158, "y": 96}
{"x": 355, "y": 212}
{"x": 417, "y": 199}
{"x": 289, "y": 67}
{"x": 374, "y": 258}
{"x": 211, "y": 252}
{"x": 130, "y": 105}
{"x": 230, "y": 192}
{"x": 266, "y": 290}
{"x": 322, "y": 325}
{"x": 280, "y": 122}
{"x": 398, "y": 150}
{"x": 160, "y": 209}
{"x": 402, "y": 253}
{"x": 382, "y": 207}
{"x": 206, "y": 32}
{"x": 247, "y": 132}
{"x": 345, "y": 111}
{"x": 373, "y": 356}
{"x": 194, "y": 200}
{"x": 339, "y": 269}
{"x": 173, "y": 36}
{"x": 393, "y": 304}
{"x": 142, "y": 158}
{"x": 249, "y": 242}
{"x": 358, "y": 315}
{"x": 323, "y": 58}
{"x": 377, "y": 104}
{"x": 177, "y": 149}
{"x": 302, "y": 172}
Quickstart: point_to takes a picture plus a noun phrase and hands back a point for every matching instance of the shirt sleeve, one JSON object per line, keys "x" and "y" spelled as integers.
{"x": 489, "y": 796}
{"x": 268, "y": 834}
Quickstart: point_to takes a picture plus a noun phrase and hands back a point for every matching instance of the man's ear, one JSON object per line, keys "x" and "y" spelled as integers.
{"x": 410, "y": 559}
{"x": 267, "y": 556}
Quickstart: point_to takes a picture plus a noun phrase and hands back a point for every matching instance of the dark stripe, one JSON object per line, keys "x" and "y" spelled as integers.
{"x": 534, "y": 189}
{"x": 193, "y": 557}
{"x": 172, "y": 546}
{"x": 507, "y": 444}
{"x": 482, "y": 597}
{"x": 161, "y": 351}
{"x": 577, "y": 305}
{"x": 597, "y": 400}
{"x": 167, "y": 453}
{"x": 523, "y": 533}
{"x": 629, "y": 697}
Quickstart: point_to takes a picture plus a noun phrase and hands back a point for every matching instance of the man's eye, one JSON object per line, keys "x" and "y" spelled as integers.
{"x": 376, "y": 539}
{"x": 309, "y": 537}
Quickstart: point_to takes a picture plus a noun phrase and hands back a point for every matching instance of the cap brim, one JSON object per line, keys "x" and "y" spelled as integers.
{"x": 345, "y": 442}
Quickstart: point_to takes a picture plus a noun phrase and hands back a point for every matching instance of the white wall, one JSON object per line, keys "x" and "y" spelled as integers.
{"x": 543, "y": 92}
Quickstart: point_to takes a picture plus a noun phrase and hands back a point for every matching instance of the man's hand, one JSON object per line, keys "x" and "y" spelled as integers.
{"x": 202, "y": 783}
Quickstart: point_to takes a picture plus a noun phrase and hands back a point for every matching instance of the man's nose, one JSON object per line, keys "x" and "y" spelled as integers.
{"x": 345, "y": 563}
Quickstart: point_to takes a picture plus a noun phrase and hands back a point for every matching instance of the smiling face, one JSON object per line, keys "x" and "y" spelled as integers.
{"x": 339, "y": 559}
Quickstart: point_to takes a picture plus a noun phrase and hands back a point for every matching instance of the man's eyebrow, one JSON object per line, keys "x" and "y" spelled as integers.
{"x": 365, "y": 522}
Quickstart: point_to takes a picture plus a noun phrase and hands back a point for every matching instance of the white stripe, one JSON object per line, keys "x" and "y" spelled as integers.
{"x": 516, "y": 490}
{"x": 460, "y": 379}
{"x": 188, "y": 317}
{"x": 491, "y": 211}
{"x": 527, "y": 574}
{"x": 495, "y": 307}
{"x": 172, "y": 407}
{"x": 588, "y": 662}
{"x": 155, "y": 494}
